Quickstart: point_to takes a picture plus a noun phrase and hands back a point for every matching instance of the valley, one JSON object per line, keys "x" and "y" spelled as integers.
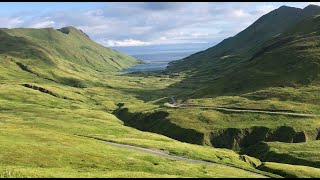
{"x": 247, "y": 107}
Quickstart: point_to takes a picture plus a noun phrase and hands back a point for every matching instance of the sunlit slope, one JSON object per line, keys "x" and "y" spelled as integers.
{"x": 56, "y": 53}
{"x": 306, "y": 153}
{"x": 40, "y": 124}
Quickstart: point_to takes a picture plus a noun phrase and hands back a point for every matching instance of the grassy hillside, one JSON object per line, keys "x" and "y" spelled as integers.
{"x": 41, "y": 124}
{"x": 288, "y": 60}
{"x": 63, "y": 55}
{"x": 57, "y": 86}
{"x": 291, "y": 171}
{"x": 275, "y": 72}
{"x": 277, "y": 50}
{"x": 290, "y": 153}
{"x": 245, "y": 42}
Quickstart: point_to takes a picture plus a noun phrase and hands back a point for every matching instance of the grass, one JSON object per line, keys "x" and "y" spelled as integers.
{"x": 40, "y": 132}
{"x": 66, "y": 58}
{"x": 277, "y": 51}
{"x": 290, "y": 153}
{"x": 291, "y": 171}
{"x": 52, "y": 154}
{"x": 41, "y": 142}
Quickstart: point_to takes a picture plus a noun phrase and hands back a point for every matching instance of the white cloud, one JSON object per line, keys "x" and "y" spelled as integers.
{"x": 314, "y": 3}
{"x": 43, "y": 24}
{"x": 163, "y": 38}
{"x": 199, "y": 34}
{"x": 11, "y": 22}
{"x": 240, "y": 13}
{"x": 141, "y": 24}
{"x": 265, "y": 9}
{"x": 126, "y": 42}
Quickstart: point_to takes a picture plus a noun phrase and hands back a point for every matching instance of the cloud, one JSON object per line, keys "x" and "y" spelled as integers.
{"x": 43, "y": 24}
{"x": 11, "y": 22}
{"x": 126, "y": 42}
{"x": 265, "y": 9}
{"x": 199, "y": 34}
{"x": 314, "y": 3}
{"x": 148, "y": 23}
{"x": 240, "y": 13}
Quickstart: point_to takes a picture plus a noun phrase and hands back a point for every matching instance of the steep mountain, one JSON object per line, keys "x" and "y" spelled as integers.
{"x": 55, "y": 53}
{"x": 279, "y": 49}
{"x": 271, "y": 24}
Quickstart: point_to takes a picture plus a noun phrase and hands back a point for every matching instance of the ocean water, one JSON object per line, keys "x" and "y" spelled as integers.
{"x": 156, "y": 61}
{"x": 156, "y": 58}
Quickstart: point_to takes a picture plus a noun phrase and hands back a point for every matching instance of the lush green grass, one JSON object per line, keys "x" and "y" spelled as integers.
{"x": 64, "y": 57}
{"x": 209, "y": 120}
{"x": 291, "y": 171}
{"x": 280, "y": 49}
{"x": 271, "y": 65}
{"x": 199, "y": 124}
{"x": 39, "y": 133}
{"x": 301, "y": 100}
{"x": 41, "y": 152}
{"x": 73, "y": 50}
{"x": 89, "y": 113}
{"x": 290, "y": 153}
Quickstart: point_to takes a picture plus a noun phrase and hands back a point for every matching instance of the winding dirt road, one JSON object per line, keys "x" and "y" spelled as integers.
{"x": 161, "y": 154}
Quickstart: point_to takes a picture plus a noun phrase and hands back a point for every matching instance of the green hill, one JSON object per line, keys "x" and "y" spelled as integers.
{"x": 265, "y": 27}
{"x": 305, "y": 153}
{"x": 58, "y": 86}
{"x": 63, "y": 55}
{"x": 272, "y": 68}
{"x": 278, "y": 50}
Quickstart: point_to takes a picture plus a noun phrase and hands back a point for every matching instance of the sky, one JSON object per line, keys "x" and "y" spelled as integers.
{"x": 132, "y": 25}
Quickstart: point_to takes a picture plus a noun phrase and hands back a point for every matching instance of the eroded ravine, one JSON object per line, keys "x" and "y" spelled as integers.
{"x": 231, "y": 138}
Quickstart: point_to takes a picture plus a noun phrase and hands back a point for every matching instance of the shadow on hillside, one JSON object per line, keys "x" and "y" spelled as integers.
{"x": 23, "y": 48}
{"x": 158, "y": 122}
{"x": 185, "y": 89}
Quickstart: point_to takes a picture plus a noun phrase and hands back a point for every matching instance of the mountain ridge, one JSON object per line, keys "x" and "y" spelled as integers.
{"x": 56, "y": 53}
{"x": 288, "y": 17}
{"x": 224, "y": 68}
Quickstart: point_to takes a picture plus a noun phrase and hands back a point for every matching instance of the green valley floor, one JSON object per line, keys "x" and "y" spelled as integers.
{"x": 43, "y": 125}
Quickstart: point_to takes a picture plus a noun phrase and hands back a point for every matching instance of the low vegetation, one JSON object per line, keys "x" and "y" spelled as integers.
{"x": 58, "y": 88}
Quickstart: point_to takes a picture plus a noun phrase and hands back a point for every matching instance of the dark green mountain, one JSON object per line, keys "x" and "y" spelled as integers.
{"x": 279, "y": 49}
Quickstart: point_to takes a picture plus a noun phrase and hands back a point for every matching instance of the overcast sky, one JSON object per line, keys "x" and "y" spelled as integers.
{"x": 142, "y": 24}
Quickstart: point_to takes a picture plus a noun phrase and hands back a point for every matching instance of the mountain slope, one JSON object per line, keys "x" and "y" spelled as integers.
{"x": 65, "y": 52}
{"x": 267, "y": 26}
{"x": 286, "y": 55}
{"x": 43, "y": 118}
